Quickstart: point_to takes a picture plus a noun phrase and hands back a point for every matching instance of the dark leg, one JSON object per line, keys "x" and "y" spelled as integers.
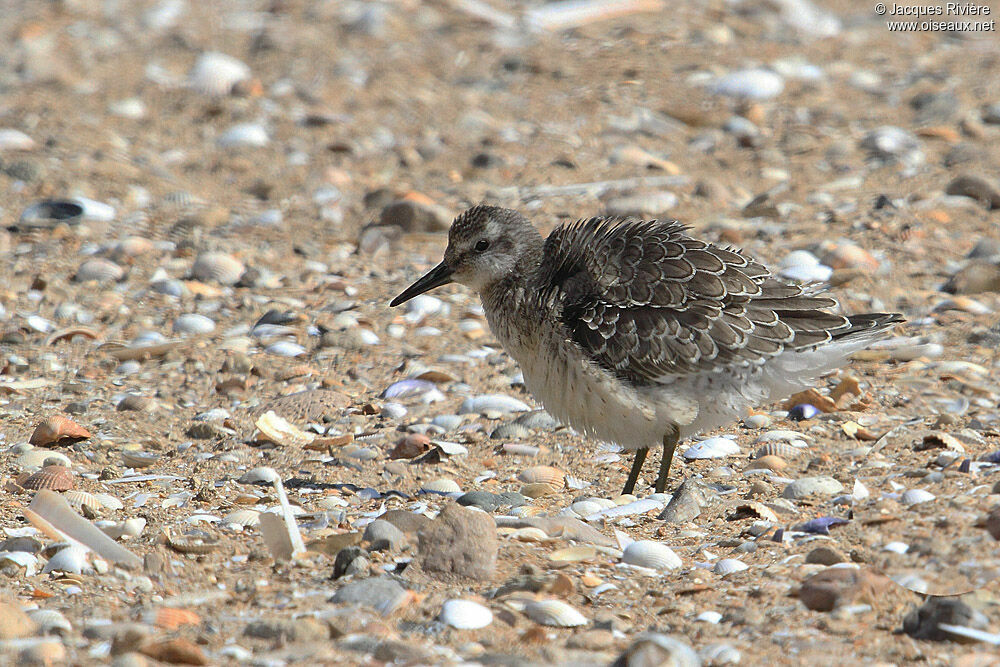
{"x": 669, "y": 443}
{"x": 640, "y": 457}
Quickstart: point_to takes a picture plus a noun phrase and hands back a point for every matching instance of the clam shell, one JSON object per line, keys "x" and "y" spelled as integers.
{"x": 537, "y": 490}
{"x": 170, "y": 618}
{"x": 193, "y": 323}
{"x": 195, "y": 542}
{"x": 510, "y": 431}
{"x": 139, "y": 459}
{"x": 54, "y": 478}
{"x": 81, "y": 499}
{"x": 554, "y": 477}
{"x": 728, "y": 566}
{"x": 50, "y": 621}
{"x": 216, "y": 73}
{"x": 712, "y": 448}
{"x": 252, "y": 135}
{"x": 555, "y": 613}
{"x": 279, "y": 431}
{"x": 21, "y": 559}
{"x": 58, "y": 430}
{"x": 768, "y": 462}
{"x": 652, "y": 555}
{"x": 244, "y": 518}
{"x": 218, "y": 267}
{"x": 15, "y": 140}
{"x": 465, "y": 614}
{"x": 585, "y": 508}
{"x": 37, "y": 458}
{"x": 526, "y": 511}
{"x": 100, "y": 270}
{"x": 285, "y": 348}
{"x": 109, "y": 501}
{"x": 68, "y": 559}
{"x": 492, "y": 403}
{"x": 573, "y": 554}
{"x": 441, "y": 485}
{"x": 131, "y": 247}
{"x": 916, "y": 496}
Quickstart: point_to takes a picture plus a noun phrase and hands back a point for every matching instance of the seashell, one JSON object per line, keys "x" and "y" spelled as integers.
{"x": 58, "y": 430}
{"x": 51, "y": 514}
{"x": 95, "y": 210}
{"x": 99, "y": 270}
{"x": 216, "y": 73}
{"x": 139, "y": 459}
{"x": 81, "y": 499}
{"x": 709, "y": 617}
{"x": 574, "y": 554}
{"x": 54, "y": 478}
{"x": 521, "y": 449}
{"x": 916, "y": 496}
{"x": 712, "y": 448}
{"x": 785, "y": 450}
{"x": 627, "y": 509}
{"x": 728, "y": 566}
{"x": 278, "y": 430}
{"x": 897, "y": 547}
{"x": 218, "y": 267}
{"x": 465, "y": 615}
{"x": 820, "y": 525}
{"x": 802, "y": 412}
{"x": 537, "y": 490}
{"x": 116, "y": 530}
{"x": 37, "y": 458}
{"x": 49, "y": 212}
{"x": 652, "y": 555}
{"x": 194, "y": 542}
{"x": 510, "y": 431}
{"x": 554, "y": 477}
{"x": 109, "y": 501}
{"x": 50, "y": 621}
{"x": 170, "y": 618}
{"x": 407, "y": 388}
{"x": 170, "y": 287}
{"x": 193, "y": 323}
{"x": 69, "y": 559}
{"x": 768, "y": 462}
{"x": 721, "y": 654}
{"x": 554, "y": 613}
{"x": 131, "y": 247}
{"x": 526, "y": 511}
{"x": 585, "y": 508}
{"x": 244, "y": 135}
{"x": 530, "y": 534}
{"x": 492, "y": 403}
{"x": 21, "y": 559}
{"x": 808, "y": 486}
{"x": 15, "y": 140}
{"x": 285, "y": 348}
{"x": 259, "y": 476}
{"x": 136, "y": 403}
{"x": 243, "y": 518}
{"x": 441, "y": 485}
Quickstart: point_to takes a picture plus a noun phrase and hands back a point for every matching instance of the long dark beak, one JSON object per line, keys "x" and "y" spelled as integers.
{"x": 439, "y": 275}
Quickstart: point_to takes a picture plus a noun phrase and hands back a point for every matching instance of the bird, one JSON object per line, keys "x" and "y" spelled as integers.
{"x": 633, "y": 331}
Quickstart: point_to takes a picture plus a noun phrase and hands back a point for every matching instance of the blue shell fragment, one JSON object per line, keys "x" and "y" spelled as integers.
{"x": 803, "y": 411}
{"x": 820, "y": 525}
{"x": 407, "y": 387}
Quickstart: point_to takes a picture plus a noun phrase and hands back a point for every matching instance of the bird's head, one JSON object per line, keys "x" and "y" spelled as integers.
{"x": 486, "y": 244}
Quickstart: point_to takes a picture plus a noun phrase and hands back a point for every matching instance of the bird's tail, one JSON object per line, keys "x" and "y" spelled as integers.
{"x": 868, "y": 325}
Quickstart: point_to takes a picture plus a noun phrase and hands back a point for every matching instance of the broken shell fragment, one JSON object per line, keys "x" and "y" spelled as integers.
{"x": 280, "y": 431}
{"x": 555, "y": 613}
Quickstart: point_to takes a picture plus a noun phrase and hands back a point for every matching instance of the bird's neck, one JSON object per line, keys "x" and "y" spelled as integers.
{"x": 514, "y": 287}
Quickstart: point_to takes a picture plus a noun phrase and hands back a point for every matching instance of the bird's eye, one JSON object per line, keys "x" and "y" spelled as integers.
{"x": 482, "y": 245}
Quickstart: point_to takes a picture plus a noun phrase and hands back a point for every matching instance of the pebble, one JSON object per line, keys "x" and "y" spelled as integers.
{"x": 751, "y": 84}
{"x": 812, "y": 486}
{"x": 380, "y": 593}
{"x": 459, "y": 542}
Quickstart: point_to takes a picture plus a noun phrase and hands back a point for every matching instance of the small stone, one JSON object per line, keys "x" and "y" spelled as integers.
{"x": 43, "y": 654}
{"x": 592, "y": 640}
{"x": 302, "y": 629}
{"x": 975, "y": 188}
{"x": 380, "y": 593}
{"x": 825, "y": 556}
{"x": 839, "y": 586}
{"x": 383, "y": 536}
{"x": 653, "y": 648}
{"x": 179, "y": 650}
{"x": 415, "y": 216}
{"x": 652, "y": 205}
{"x": 408, "y": 522}
{"x": 349, "y": 560}
{"x": 686, "y": 503}
{"x": 460, "y": 542}
{"x": 809, "y": 486}
{"x": 976, "y": 277}
{"x": 750, "y": 84}
{"x": 924, "y": 621}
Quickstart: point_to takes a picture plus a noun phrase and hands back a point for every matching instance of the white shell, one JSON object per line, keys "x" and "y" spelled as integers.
{"x": 728, "y": 566}
{"x": 109, "y": 501}
{"x": 81, "y": 499}
{"x": 35, "y": 458}
{"x": 70, "y": 559}
{"x": 217, "y": 266}
{"x": 585, "y": 508}
{"x": 285, "y": 348}
{"x": 257, "y": 475}
{"x": 100, "y": 270}
{"x": 652, "y": 555}
{"x": 216, "y": 73}
{"x": 193, "y": 323}
{"x": 22, "y": 558}
{"x": 628, "y": 509}
{"x": 492, "y": 403}
{"x": 442, "y": 485}
{"x": 897, "y": 547}
{"x": 465, "y": 615}
{"x": 15, "y": 140}
{"x": 916, "y": 496}
{"x": 709, "y": 617}
{"x": 244, "y": 135}
{"x": 554, "y": 613}
{"x": 280, "y": 431}
{"x": 50, "y": 621}
{"x": 243, "y": 518}
{"x": 712, "y": 448}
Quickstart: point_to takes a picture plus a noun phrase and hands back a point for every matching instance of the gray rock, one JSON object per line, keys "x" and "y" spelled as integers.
{"x": 686, "y": 503}
{"x": 301, "y": 629}
{"x": 652, "y": 649}
{"x": 975, "y": 188}
{"x": 412, "y": 216}
{"x": 924, "y": 621}
{"x": 484, "y": 500}
{"x": 379, "y": 593}
{"x": 349, "y": 560}
{"x": 812, "y": 486}
{"x": 384, "y": 536}
{"x": 460, "y": 543}
{"x": 408, "y": 522}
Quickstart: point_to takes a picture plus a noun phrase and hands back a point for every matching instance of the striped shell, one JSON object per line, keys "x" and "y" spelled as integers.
{"x": 728, "y": 566}
{"x": 510, "y": 431}
{"x": 783, "y": 449}
{"x": 139, "y": 459}
{"x": 170, "y": 618}
{"x": 465, "y": 615}
{"x": 37, "y": 458}
{"x": 50, "y": 621}
{"x": 652, "y": 555}
{"x": 537, "y": 490}
{"x": 58, "y": 430}
{"x": 555, "y": 613}
{"x": 441, "y": 485}
{"x": 81, "y": 499}
{"x": 554, "y": 477}
{"x": 68, "y": 559}
{"x": 109, "y": 501}
{"x": 218, "y": 267}
{"x": 192, "y": 543}
{"x": 54, "y": 478}
{"x": 244, "y": 518}
{"x": 526, "y": 511}
{"x": 100, "y": 270}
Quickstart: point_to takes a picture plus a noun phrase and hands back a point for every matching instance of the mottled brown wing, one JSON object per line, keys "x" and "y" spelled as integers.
{"x": 647, "y": 302}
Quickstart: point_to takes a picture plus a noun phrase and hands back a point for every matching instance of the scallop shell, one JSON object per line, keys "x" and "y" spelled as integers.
{"x": 81, "y": 499}
{"x": 136, "y": 403}
{"x": 54, "y": 478}
{"x": 100, "y": 270}
{"x": 219, "y": 267}
{"x": 769, "y": 462}
{"x": 58, "y": 430}
{"x": 537, "y": 490}
{"x": 441, "y": 485}
{"x": 109, "y": 501}
{"x": 170, "y": 618}
{"x": 50, "y": 621}
{"x": 555, "y": 613}
{"x": 243, "y": 518}
{"x": 728, "y": 566}
{"x": 652, "y": 555}
{"x": 916, "y": 496}
{"x": 783, "y": 449}
{"x": 37, "y": 458}
{"x": 216, "y": 73}
{"x": 465, "y": 614}
{"x": 139, "y": 459}
{"x": 131, "y": 247}
{"x": 526, "y": 511}
{"x": 554, "y": 477}
{"x": 195, "y": 542}
{"x": 68, "y": 559}
{"x": 510, "y": 431}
